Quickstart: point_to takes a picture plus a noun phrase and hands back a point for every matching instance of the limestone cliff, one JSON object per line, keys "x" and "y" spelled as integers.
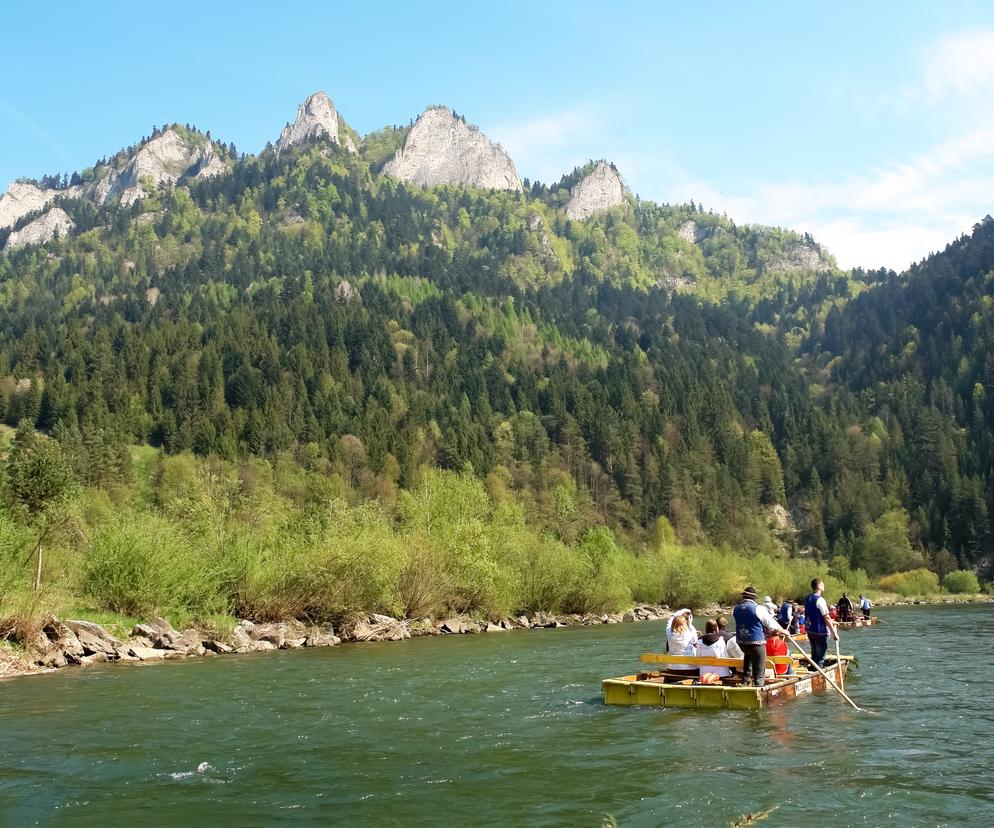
{"x": 162, "y": 160}
{"x": 53, "y": 223}
{"x": 443, "y": 149}
{"x": 800, "y": 256}
{"x": 21, "y": 199}
{"x": 316, "y": 118}
{"x": 599, "y": 190}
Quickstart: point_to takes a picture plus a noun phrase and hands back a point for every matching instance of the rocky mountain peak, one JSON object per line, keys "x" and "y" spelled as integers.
{"x": 442, "y": 148}
{"x": 316, "y": 118}
{"x": 599, "y": 190}
{"x": 162, "y": 160}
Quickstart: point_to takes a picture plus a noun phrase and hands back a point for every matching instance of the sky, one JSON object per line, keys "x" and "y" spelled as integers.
{"x": 869, "y": 125}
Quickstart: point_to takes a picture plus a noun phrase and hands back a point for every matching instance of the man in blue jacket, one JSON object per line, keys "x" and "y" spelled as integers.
{"x": 752, "y": 621}
{"x": 819, "y": 622}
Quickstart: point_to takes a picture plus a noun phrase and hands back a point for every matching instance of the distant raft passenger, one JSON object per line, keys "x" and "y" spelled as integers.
{"x": 864, "y": 604}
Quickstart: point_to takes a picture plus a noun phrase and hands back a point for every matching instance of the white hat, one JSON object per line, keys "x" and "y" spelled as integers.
{"x": 768, "y": 600}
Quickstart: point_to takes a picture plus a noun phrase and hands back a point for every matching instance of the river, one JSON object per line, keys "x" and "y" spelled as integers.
{"x": 501, "y": 729}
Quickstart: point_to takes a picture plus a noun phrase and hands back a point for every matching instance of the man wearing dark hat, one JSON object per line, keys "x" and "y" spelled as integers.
{"x": 752, "y": 621}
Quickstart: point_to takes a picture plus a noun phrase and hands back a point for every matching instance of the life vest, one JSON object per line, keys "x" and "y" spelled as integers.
{"x": 814, "y": 620}
{"x": 777, "y": 647}
{"x": 748, "y": 628}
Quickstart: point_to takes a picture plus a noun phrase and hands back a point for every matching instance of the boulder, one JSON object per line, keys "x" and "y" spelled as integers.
{"x": 452, "y": 626}
{"x": 94, "y": 638}
{"x": 321, "y": 636}
{"x": 380, "y": 628}
{"x": 190, "y": 643}
{"x": 53, "y": 658}
{"x": 275, "y": 634}
{"x": 218, "y": 647}
{"x": 494, "y": 628}
{"x": 96, "y": 658}
{"x": 263, "y": 644}
{"x": 240, "y": 640}
{"x": 523, "y": 621}
{"x": 147, "y": 653}
{"x": 628, "y": 616}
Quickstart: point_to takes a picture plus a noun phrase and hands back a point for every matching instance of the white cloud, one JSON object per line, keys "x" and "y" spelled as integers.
{"x": 960, "y": 64}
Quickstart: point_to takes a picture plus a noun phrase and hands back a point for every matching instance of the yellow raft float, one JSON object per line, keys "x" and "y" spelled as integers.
{"x": 659, "y": 689}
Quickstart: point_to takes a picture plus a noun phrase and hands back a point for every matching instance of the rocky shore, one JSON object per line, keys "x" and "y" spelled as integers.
{"x": 57, "y": 644}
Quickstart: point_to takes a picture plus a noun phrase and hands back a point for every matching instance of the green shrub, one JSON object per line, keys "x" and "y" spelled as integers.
{"x": 142, "y": 564}
{"x": 961, "y": 582}
{"x": 913, "y": 582}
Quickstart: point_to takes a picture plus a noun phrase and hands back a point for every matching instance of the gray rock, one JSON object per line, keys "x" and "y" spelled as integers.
{"x": 453, "y": 626}
{"x": 628, "y": 617}
{"x": 218, "y": 647}
{"x": 21, "y": 199}
{"x": 263, "y": 644}
{"x": 599, "y": 190}
{"x": 53, "y": 658}
{"x": 523, "y": 621}
{"x": 94, "y": 638}
{"x": 316, "y": 118}
{"x": 54, "y": 223}
{"x": 443, "y": 149}
{"x": 494, "y": 628}
{"x": 322, "y": 637}
{"x": 96, "y": 658}
{"x": 240, "y": 640}
{"x": 147, "y": 653}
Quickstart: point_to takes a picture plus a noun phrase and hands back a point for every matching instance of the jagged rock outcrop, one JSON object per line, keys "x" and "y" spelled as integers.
{"x": 441, "y": 148}
{"x": 695, "y": 233}
{"x": 162, "y": 160}
{"x": 55, "y": 222}
{"x": 316, "y": 118}
{"x": 21, "y": 199}
{"x": 599, "y": 190}
{"x": 799, "y": 256}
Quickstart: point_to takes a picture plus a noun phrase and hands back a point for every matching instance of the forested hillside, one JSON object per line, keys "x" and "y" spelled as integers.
{"x": 652, "y": 362}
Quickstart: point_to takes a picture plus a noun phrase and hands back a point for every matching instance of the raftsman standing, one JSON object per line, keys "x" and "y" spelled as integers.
{"x": 752, "y": 621}
{"x": 819, "y": 622}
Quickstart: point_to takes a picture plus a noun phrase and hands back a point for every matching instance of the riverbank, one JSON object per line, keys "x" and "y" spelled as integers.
{"x": 56, "y": 644}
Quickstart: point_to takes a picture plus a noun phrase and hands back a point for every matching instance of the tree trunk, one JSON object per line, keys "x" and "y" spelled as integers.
{"x": 38, "y": 572}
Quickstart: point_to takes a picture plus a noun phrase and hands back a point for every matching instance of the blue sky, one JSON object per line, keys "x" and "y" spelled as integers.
{"x": 869, "y": 125}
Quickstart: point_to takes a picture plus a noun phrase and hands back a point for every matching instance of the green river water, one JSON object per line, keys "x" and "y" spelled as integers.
{"x": 501, "y": 729}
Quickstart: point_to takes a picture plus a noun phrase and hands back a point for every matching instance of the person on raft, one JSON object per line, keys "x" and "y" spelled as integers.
{"x": 711, "y": 644}
{"x": 752, "y": 621}
{"x": 681, "y": 639}
{"x": 845, "y": 606}
{"x": 864, "y": 604}
{"x": 819, "y": 622}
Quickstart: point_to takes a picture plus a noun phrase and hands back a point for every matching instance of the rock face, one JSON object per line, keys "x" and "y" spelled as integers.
{"x": 53, "y": 223}
{"x": 799, "y": 256}
{"x": 600, "y": 190}
{"x": 163, "y": 160}
{"x": 21, "y": 199}
{"x": 443, "y": 149}
{"x": 316, "y": 118}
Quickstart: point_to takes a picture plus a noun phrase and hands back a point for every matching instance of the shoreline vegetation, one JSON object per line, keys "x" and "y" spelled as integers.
{"x": 56, "y": 644}
{"x": 318, "y": 551}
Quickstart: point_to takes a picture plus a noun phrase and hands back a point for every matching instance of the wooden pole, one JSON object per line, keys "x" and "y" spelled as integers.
{"x": 828, "y": 678}
{"x": 38, "y": 571}
{"x": 838, "y": 660}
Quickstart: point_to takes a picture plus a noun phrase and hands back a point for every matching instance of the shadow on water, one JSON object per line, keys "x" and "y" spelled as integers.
{"x": 497, "y": 730}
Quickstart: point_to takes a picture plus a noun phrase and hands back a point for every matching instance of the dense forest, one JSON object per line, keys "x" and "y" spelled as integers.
{"x": 653, "y": 377}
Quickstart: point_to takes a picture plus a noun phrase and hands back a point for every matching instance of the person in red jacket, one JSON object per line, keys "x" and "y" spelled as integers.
{"x": 777, "y": 646}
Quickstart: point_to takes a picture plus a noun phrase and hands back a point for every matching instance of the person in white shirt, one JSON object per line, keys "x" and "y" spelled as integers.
{"x": 681, "y": 639}
{"x": 712, "y": 645}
